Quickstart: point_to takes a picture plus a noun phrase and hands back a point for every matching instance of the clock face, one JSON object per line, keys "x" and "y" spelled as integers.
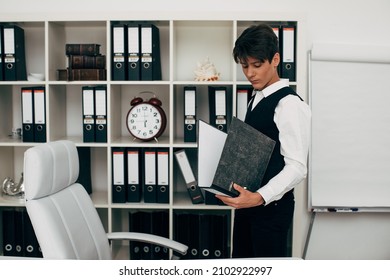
{"x": 146, "y": 121}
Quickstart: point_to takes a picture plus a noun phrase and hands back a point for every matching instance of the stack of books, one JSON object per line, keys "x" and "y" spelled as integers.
{"x": 85, "y": 63}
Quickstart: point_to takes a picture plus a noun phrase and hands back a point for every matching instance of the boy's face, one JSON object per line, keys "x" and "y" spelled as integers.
{"x": 261, "y": 74}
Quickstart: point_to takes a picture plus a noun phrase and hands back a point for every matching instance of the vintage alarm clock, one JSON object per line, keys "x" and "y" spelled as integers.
{"x": 146, "y": 120}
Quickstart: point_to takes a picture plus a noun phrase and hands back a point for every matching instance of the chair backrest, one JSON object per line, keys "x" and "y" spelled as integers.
{"x": 64, "y": 218}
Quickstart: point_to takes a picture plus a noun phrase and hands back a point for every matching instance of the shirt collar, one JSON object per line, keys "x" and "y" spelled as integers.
{"x": 275, "y": 87}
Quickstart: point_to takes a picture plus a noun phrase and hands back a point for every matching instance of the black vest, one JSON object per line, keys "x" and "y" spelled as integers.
{"x": 262, "y": 118}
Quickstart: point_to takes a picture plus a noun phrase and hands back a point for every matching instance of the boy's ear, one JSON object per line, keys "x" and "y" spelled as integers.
{"x": 276, "y": 60}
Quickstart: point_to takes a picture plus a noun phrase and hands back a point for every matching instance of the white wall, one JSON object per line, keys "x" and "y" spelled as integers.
{"x": 341, "y": 21}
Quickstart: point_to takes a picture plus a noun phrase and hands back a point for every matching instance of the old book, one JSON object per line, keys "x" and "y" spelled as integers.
{"x": 82, "y": 49}
{"x": 87, "y": 74}
{"x": 244, "y": 159}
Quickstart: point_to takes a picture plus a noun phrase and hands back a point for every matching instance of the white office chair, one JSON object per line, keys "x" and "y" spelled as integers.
{"x": 64, "y": 218}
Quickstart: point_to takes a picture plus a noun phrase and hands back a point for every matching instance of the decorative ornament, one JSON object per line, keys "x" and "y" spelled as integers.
{"x": 206, "y": 71}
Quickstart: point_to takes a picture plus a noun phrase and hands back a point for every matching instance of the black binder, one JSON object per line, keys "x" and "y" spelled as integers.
{"x": 244, "y": 159}
{"x": 163, "y": 175}
{"x": 134, "y": 190}
{"x": 219, "y": 231}
{"x": 194, "y": 192}
{"x": 19, "y": 231}
{"x": 100, "y": 114}
{"x": 27, "y": 114}
{"x": 1, "y": 54}
{"x": 160, "y": 227}
{"x": 85, "y": 178}
{"x": 150, "y": 175}
{"x": 150, "y": 52}
{"x": 30, "y": 241}
{"x": 9, "y": 234}
{"x": 135, "y": 220}
{"x": 88, "y": 96}
{"x": 288, "y": 68}
{"x": 205, "y": 236}
{"x": 39, "y": 114}
{"x": 193, "y": 236}
{"x": 218, "y": 107}
{"x": 133, "y": 51}
{"x": 189, "y": 114}
{"x": 119, "y": 52}
{"x": 14, "y": 53}
{"x": 118, "y": 175}
{"x": 182, "y": 232}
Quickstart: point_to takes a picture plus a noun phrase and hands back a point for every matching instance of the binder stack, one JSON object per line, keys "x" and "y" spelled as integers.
{"x": 205, "y": 234}
{"x": 12, "y": 53}
{"x": 135, "y": 52}
{"x": 140, "y": 173}
{"x": 94, "y": 100}
{"x": 18, "y": 234}
{"x": 156, "y": 222}
{"x": 33, "y": 114}
{"x": 85, "y": 63}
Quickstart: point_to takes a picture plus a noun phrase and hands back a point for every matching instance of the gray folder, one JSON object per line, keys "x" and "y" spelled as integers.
{"x": 244, "y": 159}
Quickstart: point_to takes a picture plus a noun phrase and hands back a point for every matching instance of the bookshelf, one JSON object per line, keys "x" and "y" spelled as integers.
{"x": 183, "y": 43}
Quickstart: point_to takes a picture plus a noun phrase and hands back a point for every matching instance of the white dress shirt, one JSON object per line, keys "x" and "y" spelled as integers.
{"x": 293, "y": 120}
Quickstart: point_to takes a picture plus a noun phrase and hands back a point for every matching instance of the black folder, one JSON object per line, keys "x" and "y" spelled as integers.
{"x": 30, "y": 241}
{"x": 14, "y": 53}
{"x": 160, "y": 227}
{"x": 1, "y": 54}
{"x": 162, "y": 175}
{"x": 182, "y": 232}
{"x": 39, "y": 114}
{"x": 133, "y": 52}
{"x": 88, "y": 97}
{"x": 150, "y": 175}
{"x": 288, "y": 69}
{"x": 119, "y": 52}
{"x": 220, "y": 232}
{"x": 27, "y": 114}
{"x": 100, "y": 114}
{"x": 218, "y": 107}
{"x": 244, "y": 159}
{"x": 118, "y": 175}
{"x": 194, "y": 192}
{"x": 134, "y": 186}
{"x": 189, "y": 114}
{"x": 135, "y": 220}
{"x": 205, "y": 236}
{"x": 150, "y": 52}
{"x": 9, "y": 234}
{"x": 193, "y": 236}
{"x": 85, "y": 178}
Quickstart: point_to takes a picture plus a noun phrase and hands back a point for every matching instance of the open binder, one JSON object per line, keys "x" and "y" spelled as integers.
{"x": 243, "y": 160}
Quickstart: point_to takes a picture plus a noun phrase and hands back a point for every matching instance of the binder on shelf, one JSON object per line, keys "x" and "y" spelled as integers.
{"x": 134, "y": 191}
{"x": 160, "y": 227}
{"x": 27, "y": 114}
{"x": 118, "y": 175}
{"x": 182, "y": 232}
{"x": 219, "y": 232}
{"x": 85, "y": 178}
{"x": 100, "y": 114}
{"x": 163, "y": 175}
{"x": 150, "y": 176}
{"x": 189, "y": 114}
{"x": 39, "y": 114}
{"x": 193, "y": 236}
{"x": 19, "y": 231}
{"x": 88, "y": 114}
{"x": 150, "y": 52}
{"x": 133, "y": 47}
{"x": 135, "y": 220}
{"x": 217, "y": 103}
{"x": 205, "y": 236}
{"x": 1, "y": 54}
{"x": 243, "y": 96}
{"x": 195, "y": 193}
{"x": 30, "y": 241}
{"x": 244, "y": 159}
{"x": 14, "y": 53}
{"x": 118, "y": 67}
{"x": 9, "y": 234}
{"x": 288, "y": 52}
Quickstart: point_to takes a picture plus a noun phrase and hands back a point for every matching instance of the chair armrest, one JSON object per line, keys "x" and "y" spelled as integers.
{"x": 150, "y": 238}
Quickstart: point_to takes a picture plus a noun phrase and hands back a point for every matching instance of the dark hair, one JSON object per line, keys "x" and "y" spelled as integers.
{"x": 257, "y": 41}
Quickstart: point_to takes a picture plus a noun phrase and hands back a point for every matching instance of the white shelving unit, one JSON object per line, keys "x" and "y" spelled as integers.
{"x": 183, "y": 42}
